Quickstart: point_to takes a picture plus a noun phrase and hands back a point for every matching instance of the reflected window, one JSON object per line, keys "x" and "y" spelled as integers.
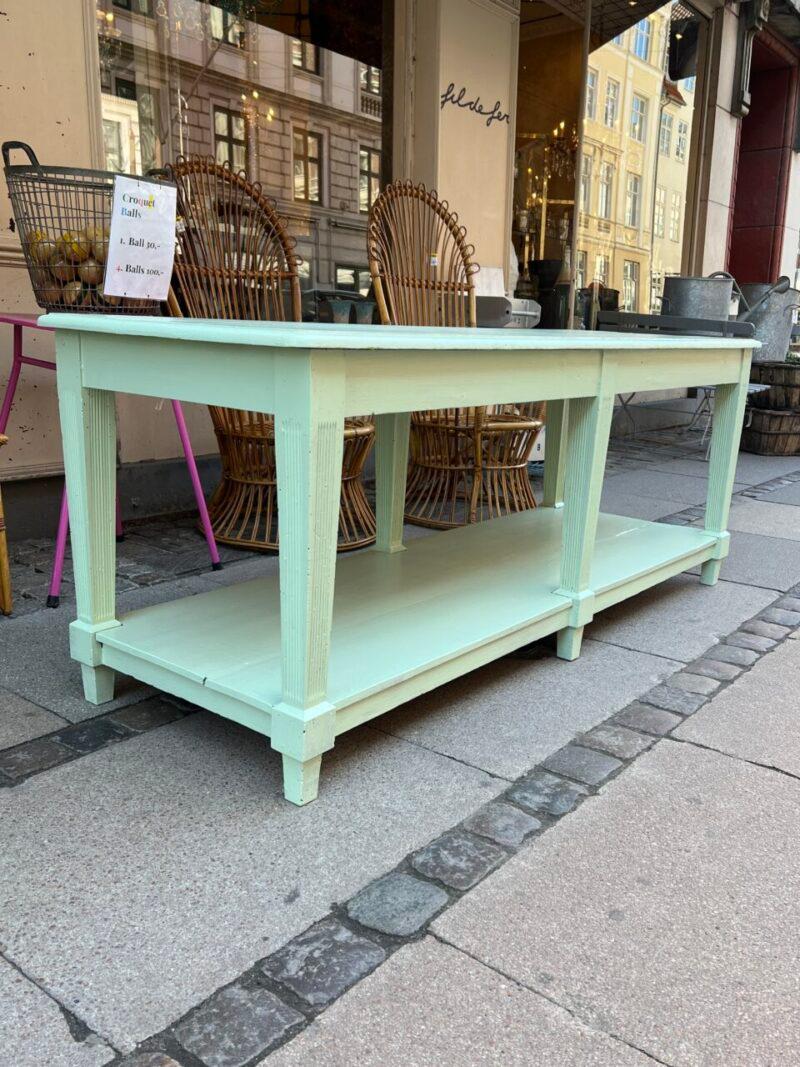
{"x": 230, "y": 145}
{"x": 630, "y": 285}
{"x": 586, "y": 184}
{"x": 605, "y": 201}
{"x": 305, "y": 56}
{"x": 601, "y": 272}
{"x": 665, "y": 134}
{"x": 138, "y": 7}
{"x": 638, "y": 118}
{"x": 112, "y": 143}
{"x": 659, "y": 211}
{"x": 580, "y": 271}
{"x": 369, "y": 79}
{"x": 633, "y": 195}
{"x": 591, "y": 94}
{"x": 656, "y": 287}
{"x": 612, "y": 103}
{"x": 369, "y": 177}
{"x": 353, "y": 279}
{"x": 307, "y": 166}
{"x": 675, "y": 216}
{"x": 226, "y": 27}
{"x": 681, "y": 141}
{"x": 642, "y": 34}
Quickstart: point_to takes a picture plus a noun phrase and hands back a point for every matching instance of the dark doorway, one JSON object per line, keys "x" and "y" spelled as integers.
{"x": 761, "y": 175}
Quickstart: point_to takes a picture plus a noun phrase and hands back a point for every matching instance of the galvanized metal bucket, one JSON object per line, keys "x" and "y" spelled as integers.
{"x": 698, "y": 298}
{"x": 772, "y": 318}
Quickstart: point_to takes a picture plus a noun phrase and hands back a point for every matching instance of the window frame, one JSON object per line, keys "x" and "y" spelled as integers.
{"x": 365, "y": 73}
{"x": 359, "y": 271}
{"x": 587, "y": 165}
{"x": 666, "y": 124}
{"x": 229, "y": 23}
{"x": 675, "y": 210}
{"x": 370, "y": 174}
{"x": 659, "y": 211}
{"x": 633, "y": 200}
{"x": 306, "y": 159}
{"x": 228, "y": 138}
{"x": 630, "y": 285}
{"x": 643, "y": 37}
{"x": 609, "y": 99}
{"x": 128, "y": 6}
{"x": 592, "y": 85}
{"x": 638, "y": 119}
{"x": 605, "y": 199}
{"x": 316, "y": 67}
{"x": 682, "y": 141}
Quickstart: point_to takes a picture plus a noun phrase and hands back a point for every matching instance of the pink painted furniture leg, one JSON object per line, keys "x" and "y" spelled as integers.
{"x": 13, "y": 378}
{"x": 54, "y": 592}
{"x": 198, "y": 489}
{"x": 119, "y": 531}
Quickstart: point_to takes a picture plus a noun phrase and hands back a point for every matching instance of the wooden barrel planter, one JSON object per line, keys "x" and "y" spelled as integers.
{"x": 783, "y": 380}
{"x": 772, "y": 433}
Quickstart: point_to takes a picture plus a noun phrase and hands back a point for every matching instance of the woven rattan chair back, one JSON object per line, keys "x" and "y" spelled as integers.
{"x": 465, "y": 463}
{"x": 235, "y": 260}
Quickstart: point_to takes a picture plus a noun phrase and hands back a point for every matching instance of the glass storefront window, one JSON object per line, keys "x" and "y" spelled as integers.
{"x": 186, "y": 77}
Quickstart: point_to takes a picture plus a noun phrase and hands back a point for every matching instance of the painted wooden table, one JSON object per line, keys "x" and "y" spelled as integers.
{"x": 292, "y": 657}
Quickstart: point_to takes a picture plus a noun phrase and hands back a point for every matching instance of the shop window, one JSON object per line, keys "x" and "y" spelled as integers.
{"x": 307, "y": 166}
{"x": 638, "y": 118}
{"x": 353, "y": 279}
{"x": 369, "y": 78}
{"x": 226, "y": 27}
{"x": 665, "y": 134}
{"x": 605, "y": 204}
{"x": 369, "y": 177}
{"x": 591, "y": 94}
{"x": 601, "y": 267}
{"x": 586, "y": 184}
{"x": 305, "y": 274}
{"x": 306, "y": 56}
{"x": 642, "y": 36}
{"x": 630, "y": 285}
{"x": 137, "y": 7}
{"x": 612, "y": 103}
{"x": 230, "y": 145}
{"x": 633, "y": 194}
{"x": 681, "y": 141}
{"x": 659, "y": 211}
{"x": 112, "y": 144}
{"x": 675, "y": 217}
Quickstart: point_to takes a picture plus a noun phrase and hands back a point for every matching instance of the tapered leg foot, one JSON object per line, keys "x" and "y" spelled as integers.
{"x": 301, "y": 779}
{"x": 569, "y": 642}
{"x": 98, "y": 684}
{"x": 709, "y": 571}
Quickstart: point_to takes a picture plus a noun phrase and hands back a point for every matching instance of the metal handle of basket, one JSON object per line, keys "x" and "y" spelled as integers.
{"x": 10, "y": 146}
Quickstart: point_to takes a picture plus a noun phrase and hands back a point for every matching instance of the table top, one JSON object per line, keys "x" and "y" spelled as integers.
{"x": 337, "y": 337}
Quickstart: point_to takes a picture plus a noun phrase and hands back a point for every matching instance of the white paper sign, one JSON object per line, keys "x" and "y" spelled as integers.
{"x": 141, "y": 242}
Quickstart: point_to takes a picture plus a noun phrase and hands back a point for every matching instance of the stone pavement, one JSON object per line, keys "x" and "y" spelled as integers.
{"x": 586, "y": 863}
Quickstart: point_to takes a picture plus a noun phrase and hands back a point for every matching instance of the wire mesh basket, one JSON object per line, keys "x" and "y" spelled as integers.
{"x": 63, "y": 215}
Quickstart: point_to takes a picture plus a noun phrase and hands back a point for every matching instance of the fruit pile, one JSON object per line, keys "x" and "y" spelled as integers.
{"x": 72, "y": 268}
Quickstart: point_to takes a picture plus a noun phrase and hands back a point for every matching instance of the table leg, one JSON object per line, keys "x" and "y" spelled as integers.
{"x": 309, "y": 445}
{"x": 89, "y": 431}
{"x": 587, "y": 445}
{"x": 391, "y": 466}
{"x": 729, "y": 403}
{"x": 555, "y": 450}
{"x": 13, "y": 378}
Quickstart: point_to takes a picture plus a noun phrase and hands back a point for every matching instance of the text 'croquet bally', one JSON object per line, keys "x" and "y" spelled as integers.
{"x": 141, "y": 244}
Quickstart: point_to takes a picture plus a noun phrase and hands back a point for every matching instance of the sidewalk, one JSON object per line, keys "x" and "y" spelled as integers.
{"x": 487, "y": 890}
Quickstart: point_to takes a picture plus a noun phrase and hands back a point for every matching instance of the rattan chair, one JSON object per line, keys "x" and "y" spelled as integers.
{"x": 465, "y": 464}
{"x": 5, "y": 570}
{"x": 235, "y": 260}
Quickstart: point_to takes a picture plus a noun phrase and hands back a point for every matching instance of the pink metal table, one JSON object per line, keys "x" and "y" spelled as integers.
{"x": 19, "y": 359}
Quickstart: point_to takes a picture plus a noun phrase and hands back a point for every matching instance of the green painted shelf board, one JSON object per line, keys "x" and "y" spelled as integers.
{"x": 397, "y": 615}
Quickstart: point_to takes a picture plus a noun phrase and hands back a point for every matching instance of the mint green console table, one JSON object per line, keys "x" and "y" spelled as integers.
{"x": 292, "y": 657}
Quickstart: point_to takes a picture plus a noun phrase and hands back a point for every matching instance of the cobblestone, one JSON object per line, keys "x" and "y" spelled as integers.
{"x": 790, "y": 603}
{"x": 651, "y": 720}
{"x": 235, "y": 1025}
{"x": 751, "y": 641}
{"x": 457, "y": 859}
{"x": 33, "y": 756}
{"x": 694, "y": 683}
{"x": 781, "y": 616}
{"x": 503, "y": 823}
{"x": 321, "y": 963}
{"x": 147, "y": 715}
{"x": 671, "y": 698}
{"x": 398, "y": 904}
{"x": 149, "y": 1059}
{"x": 740, "y": 657}
{"x": 711, "y": 668}
{"x": 543, "y": 792}
{"x": 617, "y": 741}
{"x": 765, "y": 629}
{"x": 584, "y": 764}
{"x": 92, "y": 735}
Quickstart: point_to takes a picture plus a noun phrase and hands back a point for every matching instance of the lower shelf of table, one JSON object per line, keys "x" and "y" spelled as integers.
{"x": 403, "y": 623}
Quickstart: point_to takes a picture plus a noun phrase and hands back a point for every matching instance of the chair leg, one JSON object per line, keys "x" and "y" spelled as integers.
{"x": 6, "y": 602}
{"x": 13, "y": 378}
{"x": 199, "y": 496}
{"x": 54, "y": 593}
{"x": 119, "y": 531}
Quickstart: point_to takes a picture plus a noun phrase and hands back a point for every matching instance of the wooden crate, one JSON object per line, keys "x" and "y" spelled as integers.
{"x": 772, "y": 433}
{"x": 784, "y": 382}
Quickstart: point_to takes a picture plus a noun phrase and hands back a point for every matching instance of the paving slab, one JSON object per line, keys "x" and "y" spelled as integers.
{"x": 750, "y": 469}
{"x": 758, "y": 718}
{"x": 20, "y": 720}
{"x": 35, "y": 662}
{"x": 667, "y": 911}
{"x": 513, "y": 713}
{"x": 760, "y": 516}
{"x": 755, "y": 559}
{"x": 432, "y": 1006}
{"x": 33, "y": 1031}
{"x": 624, "y": 502}
{"x": 681, "y": 487}
{"x": 679, "y": 618}
{"x": 788, "y": 494}
{"x": 142, "y": 877}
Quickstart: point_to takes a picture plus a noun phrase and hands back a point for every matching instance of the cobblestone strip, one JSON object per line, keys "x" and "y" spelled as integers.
{"x": 239, "y": 1025}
